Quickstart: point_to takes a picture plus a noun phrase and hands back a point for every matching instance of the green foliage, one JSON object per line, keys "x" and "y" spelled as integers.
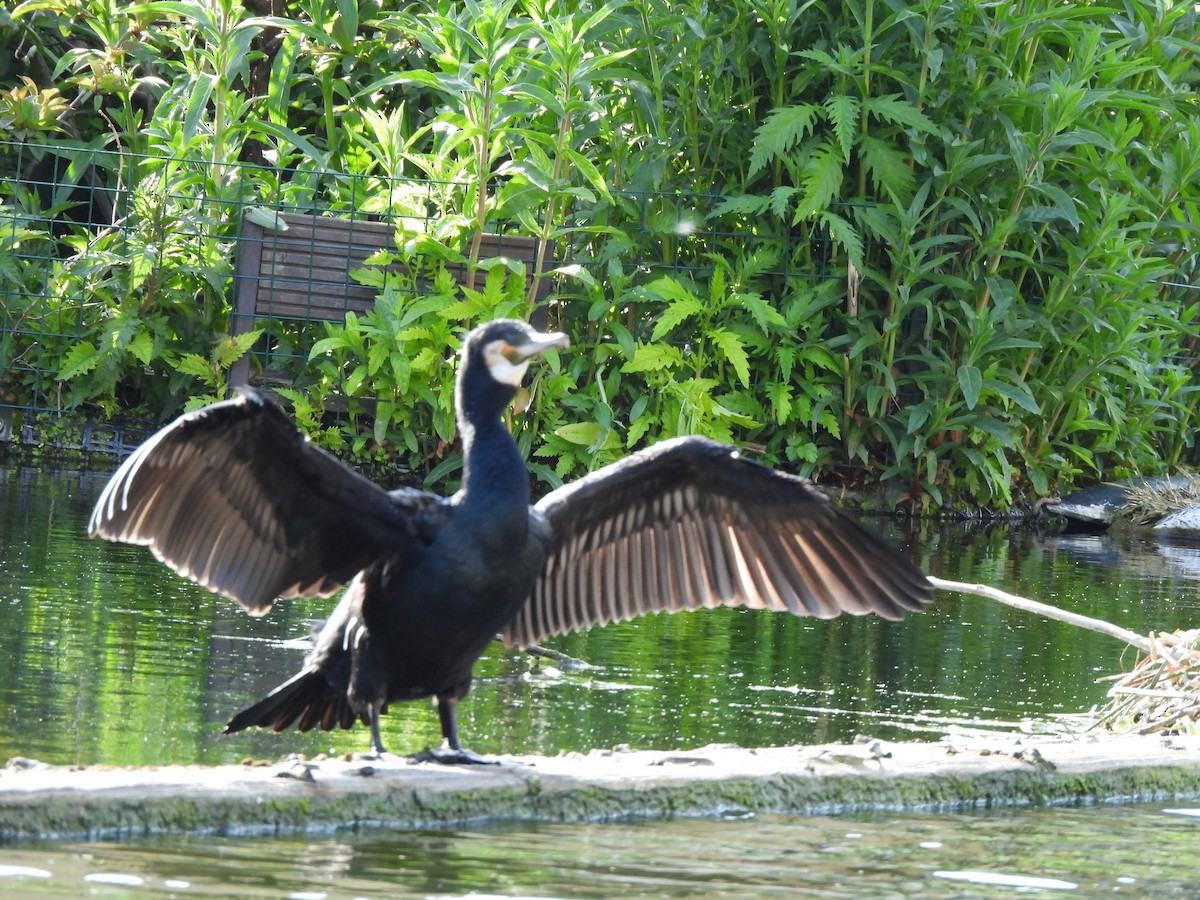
{"x": 392, "y": 364}
{"x": 1009, "y": 320}
{"x": 941, "y": 245}
{"x": 705, "y": 358}
{"x": 29, "y": 113}
{"x": 212, "y": 371}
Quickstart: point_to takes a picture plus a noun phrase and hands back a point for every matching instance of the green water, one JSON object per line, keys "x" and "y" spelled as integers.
{"x": 1136, "y": 851}
{"x": 106, "y": 657}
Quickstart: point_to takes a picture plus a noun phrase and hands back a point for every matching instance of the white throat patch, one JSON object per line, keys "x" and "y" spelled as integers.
{"x": 501, "y": 367}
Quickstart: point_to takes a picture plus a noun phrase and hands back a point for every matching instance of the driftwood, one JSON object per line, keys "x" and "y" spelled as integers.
{"x": 1044, "y": 609}
{"x": 1161, "y": 693}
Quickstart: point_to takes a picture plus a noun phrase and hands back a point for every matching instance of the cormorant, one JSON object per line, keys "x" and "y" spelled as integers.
{"x": 234, "y": 497}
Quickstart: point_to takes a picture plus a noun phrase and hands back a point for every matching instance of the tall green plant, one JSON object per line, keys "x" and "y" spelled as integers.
{"x": 569, "y": 80}
{"x": 478, "y": 52}
{"x": 981, "y": 215}
{"x": 974, "y": 206}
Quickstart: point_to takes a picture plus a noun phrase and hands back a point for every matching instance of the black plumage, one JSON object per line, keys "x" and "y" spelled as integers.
{"x": 234, "y": 497}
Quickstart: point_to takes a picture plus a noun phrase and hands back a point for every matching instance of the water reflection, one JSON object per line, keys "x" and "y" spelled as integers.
{"x": 107, "y": 657}
{"x": 1138, "y": 851}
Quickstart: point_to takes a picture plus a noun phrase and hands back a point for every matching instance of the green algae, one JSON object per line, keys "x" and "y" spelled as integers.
{"x": 235, "y": 800}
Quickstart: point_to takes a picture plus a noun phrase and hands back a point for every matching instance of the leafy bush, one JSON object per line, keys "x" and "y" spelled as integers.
{"x": 941, "y": 245}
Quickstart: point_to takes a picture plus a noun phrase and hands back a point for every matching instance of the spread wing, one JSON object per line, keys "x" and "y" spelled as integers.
{"x": 689, "y": 524}
{"x": 234, "y": 497}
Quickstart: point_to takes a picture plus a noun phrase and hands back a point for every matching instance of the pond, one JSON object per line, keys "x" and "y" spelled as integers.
{"x": 107, "y": 657}
{"x": 1132, "y": 851}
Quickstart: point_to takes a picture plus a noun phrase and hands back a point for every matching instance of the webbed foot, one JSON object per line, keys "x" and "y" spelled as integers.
{"x": 381, "y": 755}
{"x": 449, "y": 756}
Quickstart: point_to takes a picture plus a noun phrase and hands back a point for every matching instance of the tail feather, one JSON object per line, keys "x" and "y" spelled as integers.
{"x": 306, "y": 699}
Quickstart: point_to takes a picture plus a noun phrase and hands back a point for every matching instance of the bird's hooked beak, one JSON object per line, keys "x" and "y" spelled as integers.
{"x": 536, "y": 343}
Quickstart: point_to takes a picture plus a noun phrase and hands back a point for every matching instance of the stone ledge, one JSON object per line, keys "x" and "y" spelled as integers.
{"x": 970, "y": 771}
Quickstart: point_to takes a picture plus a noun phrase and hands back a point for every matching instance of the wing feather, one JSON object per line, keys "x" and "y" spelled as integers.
{"x": 234, "y": 497}
{"x": 689, "y": 524}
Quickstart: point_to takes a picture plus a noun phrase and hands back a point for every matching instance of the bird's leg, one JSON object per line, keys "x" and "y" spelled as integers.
{"x": 451, "y": 753}
{"x": 374, "y": 714}
{"x": 377, "y": 748}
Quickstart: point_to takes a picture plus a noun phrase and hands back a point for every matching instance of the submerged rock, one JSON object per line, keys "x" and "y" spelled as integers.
{"x": 1095, "y": 508}
{"x": 1182, "y": 522}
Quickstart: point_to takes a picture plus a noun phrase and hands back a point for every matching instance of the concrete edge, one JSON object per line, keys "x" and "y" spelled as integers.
{"x": 39, "y": 801}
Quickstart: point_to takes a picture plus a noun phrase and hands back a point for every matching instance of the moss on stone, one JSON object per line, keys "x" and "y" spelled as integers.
{"x": 50, "y": 802}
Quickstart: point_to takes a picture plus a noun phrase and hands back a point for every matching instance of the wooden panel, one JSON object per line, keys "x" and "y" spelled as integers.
{"x": 303, "y": 272}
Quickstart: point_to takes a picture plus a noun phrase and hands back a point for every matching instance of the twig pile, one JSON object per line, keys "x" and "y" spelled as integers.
{"x": 1162, "y": 692}
{"x": 1148, "y": 503}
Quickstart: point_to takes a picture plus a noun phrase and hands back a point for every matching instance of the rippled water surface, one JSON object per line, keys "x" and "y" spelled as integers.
{"x": 108, "y": 658}
{"x": 1136, "y": 851}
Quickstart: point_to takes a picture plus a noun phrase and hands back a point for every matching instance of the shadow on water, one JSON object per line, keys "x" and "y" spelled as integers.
{"x": 107, "y": 657}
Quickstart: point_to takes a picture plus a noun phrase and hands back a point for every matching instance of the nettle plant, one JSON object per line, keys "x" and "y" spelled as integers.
{"x": 731, "y": 365}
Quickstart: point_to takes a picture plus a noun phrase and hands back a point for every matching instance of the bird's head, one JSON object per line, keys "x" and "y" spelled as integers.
{"x": 495, "y": 357}
{"x": 504, "y": 348}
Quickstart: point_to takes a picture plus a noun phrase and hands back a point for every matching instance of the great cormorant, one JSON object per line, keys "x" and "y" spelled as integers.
{"x": 234, "y": 497}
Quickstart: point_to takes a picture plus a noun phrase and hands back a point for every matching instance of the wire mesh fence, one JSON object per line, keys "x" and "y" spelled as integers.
{"x": 163, "y": 247}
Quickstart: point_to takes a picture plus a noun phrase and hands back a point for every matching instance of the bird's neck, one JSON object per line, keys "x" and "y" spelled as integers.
{"x": 494, "y": 473}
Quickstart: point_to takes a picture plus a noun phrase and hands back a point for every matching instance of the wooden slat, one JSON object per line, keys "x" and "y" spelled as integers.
{"x": 303, "y": 272}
